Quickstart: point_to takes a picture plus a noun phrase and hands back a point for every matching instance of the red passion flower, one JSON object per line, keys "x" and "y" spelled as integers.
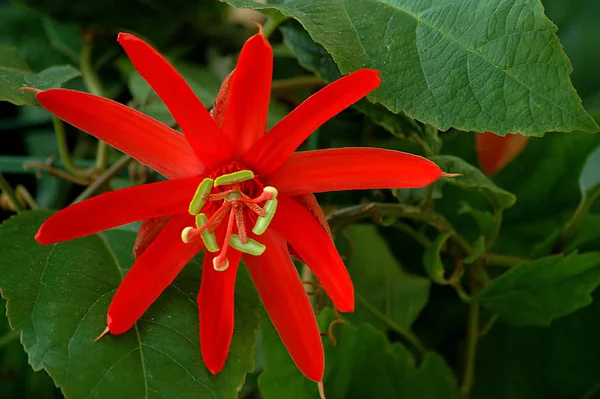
{"x": 234, "y": 190}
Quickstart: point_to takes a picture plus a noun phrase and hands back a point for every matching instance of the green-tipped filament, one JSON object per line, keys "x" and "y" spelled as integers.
{"x": 235, "y": 177}
{"x": 251, "y": 247}
{"x": 198, "y": 201}
{"x": 263, "y": 221}
{"x": 209, "y": 239}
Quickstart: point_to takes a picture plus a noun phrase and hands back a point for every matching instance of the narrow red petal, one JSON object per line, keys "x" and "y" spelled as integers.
{"x": 304, "y": 233}
{"x": 151, "y": 274}
{"x": 495, "y": 152}
{"x": 287, "y": 304}
{"x": 352, "y": 169}
{"x": 117, "y": 208}
{"x": 282, "y": 140}
{"x": 193, "y": 118}
{"x": 130, "y": 131}
{"x": 246, "y": 115}
{"x": 215, "y": 304}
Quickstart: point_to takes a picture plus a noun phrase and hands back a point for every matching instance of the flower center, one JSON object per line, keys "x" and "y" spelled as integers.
{"x": 229, "y": 196}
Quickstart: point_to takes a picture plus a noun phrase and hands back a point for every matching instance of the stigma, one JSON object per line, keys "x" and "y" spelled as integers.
{"x": 223, "y": 197}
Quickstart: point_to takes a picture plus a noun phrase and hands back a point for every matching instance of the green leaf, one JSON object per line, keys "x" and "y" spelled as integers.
{"x": 432, "y": 259}
{"x": 13, "y": 363}
{"x": 363, "y": 364}
{"x": 474, "y": 179}
{"x": 46, "y": 42}
{"x": 559, "y": 361}
{"x": 494, "y": 66}
{"x": 315, "y": 58}
{"x": 587, "y": 236}
{"x": 58, "y": 296}
{"x": 538, "y": 292}
{"x": 15, "y": 74}
{"x": 386, "y": 295}
{"x": 589, "y": 180}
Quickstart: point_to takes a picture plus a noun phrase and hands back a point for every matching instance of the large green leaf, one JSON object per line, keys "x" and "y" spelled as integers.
{"x": 363, "y": 364}
{"x": 15, "y": 74}
{"x": 386, "y": 295}
{"x": 315, "y": 58}
{"x": 538, "y": 292}
{"x": 560, "y": 361}
{"x": 493, "y": 65}
{"x": 473, "y": 179}
{"x": 58, "y": 296}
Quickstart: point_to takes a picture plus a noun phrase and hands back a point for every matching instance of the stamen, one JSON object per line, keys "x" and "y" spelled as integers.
{"x": 233, "y": 196}
{"x": 198, "y": 200}
{"x": 216, "y": 197}
{"x": 251, "y": 247}
{"x": 218, "y": 216}
{"x": 235, "y": 177}
{"x": 241, "y": 226}
{"x": 219, "y": 264}
{"x": 263, "y": 221}
{"x": 188, "y": 234}
{"x": 209, "y": 238}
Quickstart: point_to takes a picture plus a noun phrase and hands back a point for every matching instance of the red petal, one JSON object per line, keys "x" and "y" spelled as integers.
{"x": 215, "y": 304}
{"x": 285, "y": 299}
{"x": 193, "y": 118}
{"x": 495, "y": 152}
{"x": 304, "y": 233}
{"x": 352, "y": 169}
{"x": 151, "y": 274}
{"x": 147, "y": 233}
{"x": 246, "y": 115}
{"x": 282, "y": 140}
{"x": 130, "y": 131}
{"x": 218, "y": 110}
{"x": 117, "y": 208}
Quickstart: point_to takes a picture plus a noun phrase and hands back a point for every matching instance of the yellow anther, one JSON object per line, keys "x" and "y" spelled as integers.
{"x": 251, "y": 247}
{"x": 235, "y": 177}
{"x": 198, "y": 200}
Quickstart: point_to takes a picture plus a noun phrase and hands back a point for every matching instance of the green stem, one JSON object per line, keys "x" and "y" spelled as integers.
{"x": 23, "y": 194}
{"x": 104, "y": 178}
{"x": 273, "y": 23}
{"x": 15, "y": 164}
{"x": 63, "y": 149}
{"x": 297, "y": 82}
{"x": 308, "y": 277}
{"x": 426, "y": 203}
{"x": 405, "y": 333}
{"x": 94, "y": 86}
{"x": 471, "y": 350}
{"x": 10, "y": 194}
{"x": 569, "y": 230}
{"x": 417, "y": 236}
{"x": 487, "y": 326}
{"x": 377, "y": 211}
{"x": 503, "y": 260}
